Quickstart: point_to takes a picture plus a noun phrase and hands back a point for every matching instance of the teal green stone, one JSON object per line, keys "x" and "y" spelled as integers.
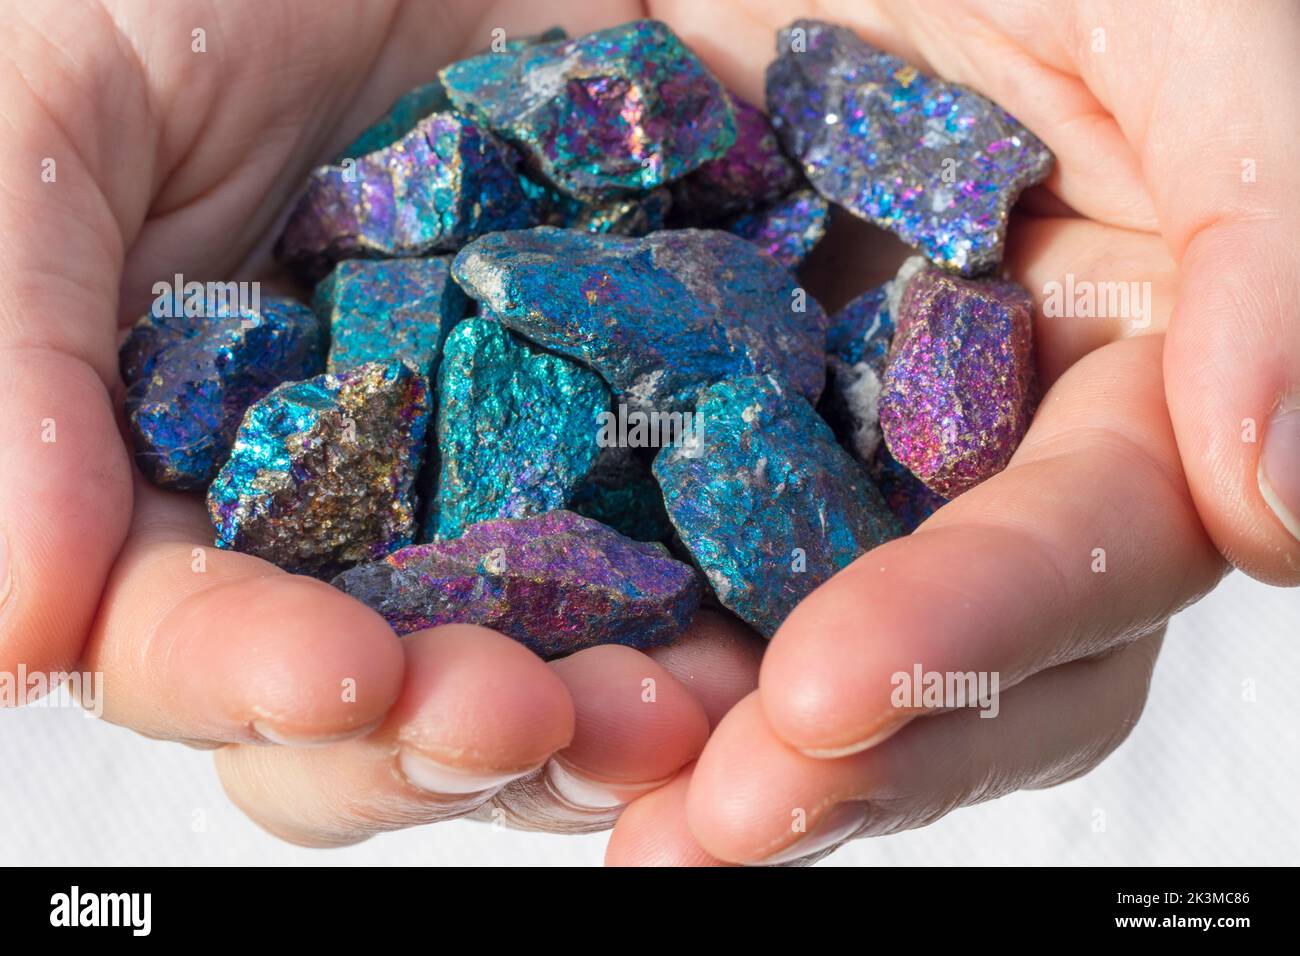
{"x": 617, "y": 111}
{"x": 516, "y": 429}
{"x": 385, "y": 310}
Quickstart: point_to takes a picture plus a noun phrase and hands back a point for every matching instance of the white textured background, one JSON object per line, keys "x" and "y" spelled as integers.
{"x": 1207, "y": 777}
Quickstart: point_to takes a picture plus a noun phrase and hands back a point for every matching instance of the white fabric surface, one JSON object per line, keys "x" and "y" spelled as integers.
{"x": 1207, "y": 777}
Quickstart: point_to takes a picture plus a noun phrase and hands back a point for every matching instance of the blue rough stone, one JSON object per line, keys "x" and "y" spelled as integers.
{"x": 863, "y": 330}
{"x": 657, "y": 317}
{"x": 556, "y": 583}
{"x": 189, "y": 379}
{"x": 322, "y": 472}
{"x": 857, "y": 345}
{"x": 620, "y": 110}
{"x": 767, "y": 503}
{"x": 389, "y": 309}
{"x": 443, "y": 183}
{"x": 907, "y": 496}
{"x": 787, "y": 230}
{"x": 934, "y": 162}
{"x": 516, "y": 429}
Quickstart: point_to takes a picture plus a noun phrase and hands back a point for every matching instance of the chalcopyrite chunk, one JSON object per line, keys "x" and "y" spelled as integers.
{"x": 857, "y": 344}
{"x": 620, "y": 491}
{"x": 658, "y": 317}
{"x": 556, "y": 583}
{"x": 400, "y": 119}
{"x": 959, "y": 387}
{"x": 934, "y": 162}
{"x": 516, "y": 429}
{"x": 768, "y": 504}
{"x": 388, "y": 309}
{"x": 440, "y": 185}
{"x": 624, "y": 109}
{"x": 189, "y": 379}
{"x": 418, "y": 103}
{"x": 751, "y": 174}
{"x": 322, "y": 471}
{"x": 907, "y": 498}
{"x": 788, "y": 230}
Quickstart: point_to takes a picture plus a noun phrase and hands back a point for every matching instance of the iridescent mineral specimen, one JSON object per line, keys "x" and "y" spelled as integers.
{"x": 857, "y": 344}
{"x": 959, "y": 387}
{"x": 418, "y": 103}
{"x": 389, "y": 309}
{"x": 620, "y": 491}
{"x": 440, "y": 185}
{"x": 189, "y": 378}
{"x": 400, "y": 119}
{"x": 623, "y": 109}
{"x": 516, "y": 429}
{"x": 556, "y": 583}
{"x": 768, "y": 504}
{"x": 907, "y": 498}
{"x": 321, "y": 473}
{"x": 788, "y": 230}
{"x": 863, "y": 329}
{"x": 934, "y": 162}
{"x": 751, "y": 174}
{"x": 657, "y": 317}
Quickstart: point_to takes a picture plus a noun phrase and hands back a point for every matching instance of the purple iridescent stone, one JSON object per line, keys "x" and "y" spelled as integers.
{"x": 556, "y": 583}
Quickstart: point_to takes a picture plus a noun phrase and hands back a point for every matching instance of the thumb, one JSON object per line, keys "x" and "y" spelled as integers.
{"x": 1232, "y": 357}
{"x": 65, "y": 477}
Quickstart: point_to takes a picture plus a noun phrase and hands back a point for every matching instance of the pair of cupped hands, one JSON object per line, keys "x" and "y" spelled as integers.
{"x": 1166, "y": 448}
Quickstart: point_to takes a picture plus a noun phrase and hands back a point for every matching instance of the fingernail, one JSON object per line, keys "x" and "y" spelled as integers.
{"x": 584, "y": 793}
{"x": 886, "y": 729}
{"x": 274, "y": 736}
{"x": 836, "y": 825}
{"x": 428, "y": 774}
{"x": 1279, "y": 469}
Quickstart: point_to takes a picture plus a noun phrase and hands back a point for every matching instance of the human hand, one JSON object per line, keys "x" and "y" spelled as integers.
{"x": 1059, "y": 573}
{"x": 174, "y": 151}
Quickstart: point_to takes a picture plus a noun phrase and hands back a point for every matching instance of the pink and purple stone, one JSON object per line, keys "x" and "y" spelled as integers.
{"x": 959, "y": 387}
{"x": 556, "y": 583}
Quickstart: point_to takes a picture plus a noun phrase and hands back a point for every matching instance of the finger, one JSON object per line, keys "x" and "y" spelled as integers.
{"x": 753, "y": 799}
{"x": 635, "y": 726}
{"x": 1088, "y": 539}
{"x": 1232, "y": 362}
{"x": 476, "y": 711}
{"x": 65, "y": 487}
{"x": 652, "y": 831}
{"x": 205, "y": 645}
{"x": 1091, "y": 284}
{"x": 717, "y": 662}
